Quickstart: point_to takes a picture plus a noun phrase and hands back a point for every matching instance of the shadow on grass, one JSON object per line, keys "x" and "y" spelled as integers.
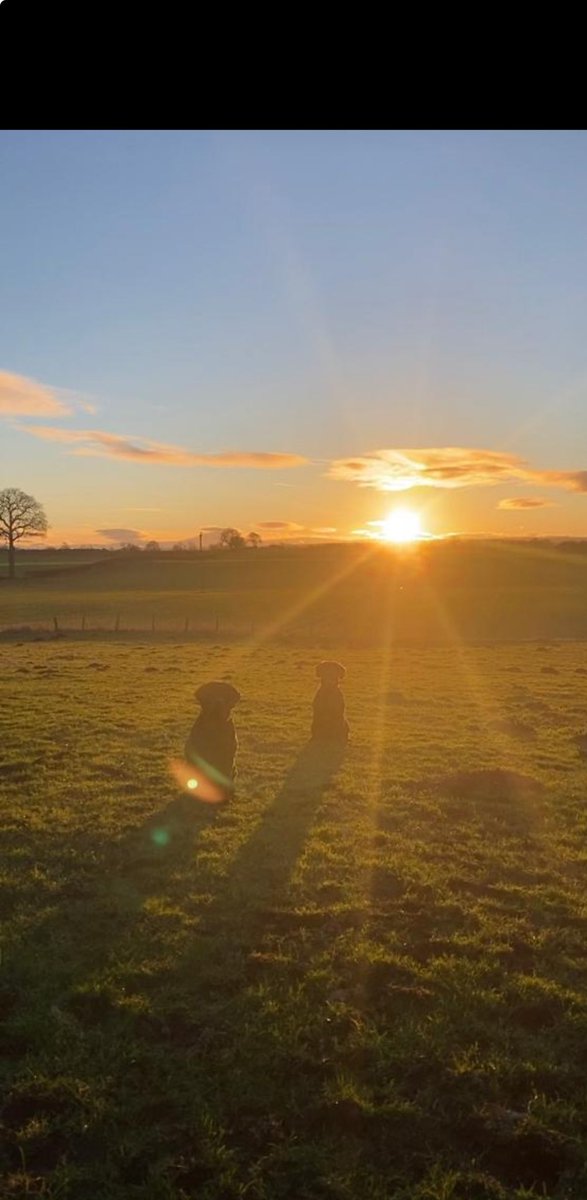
{"x": 258, "y": 876}
{"x": 108, "y": 971}
{"x": 97, "y": 913}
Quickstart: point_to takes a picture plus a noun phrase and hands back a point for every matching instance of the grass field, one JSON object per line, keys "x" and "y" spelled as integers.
{"x": 334, "y": 595}
{"x": 361, "y": 979}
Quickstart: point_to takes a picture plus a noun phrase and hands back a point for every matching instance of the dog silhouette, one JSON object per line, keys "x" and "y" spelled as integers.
{"x": 212, "y": 743}
{"x": 328, "y": 722}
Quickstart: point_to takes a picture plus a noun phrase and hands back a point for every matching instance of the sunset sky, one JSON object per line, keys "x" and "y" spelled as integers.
{"x": 294, "y": 332}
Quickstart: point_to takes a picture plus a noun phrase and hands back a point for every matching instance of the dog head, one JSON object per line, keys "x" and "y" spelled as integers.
{"x": 217, "y": 697}
{"x": 330, "y": 673}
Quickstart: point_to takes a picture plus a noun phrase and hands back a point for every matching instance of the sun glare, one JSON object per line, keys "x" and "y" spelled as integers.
{"x": 402, "y": 525}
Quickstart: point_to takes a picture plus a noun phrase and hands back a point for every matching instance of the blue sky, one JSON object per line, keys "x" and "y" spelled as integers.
{"x": 322, "y": 295}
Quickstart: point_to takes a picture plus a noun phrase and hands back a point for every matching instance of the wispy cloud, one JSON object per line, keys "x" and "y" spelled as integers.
{"x": 22, "y": 397}
{"x": 447, "y": 467}
{"x": 122, "y": 535}
{"x": 525, "y": 502}
{"x": 97, "y": 443}
{"x": 292, "y": 531}
{"x": 291, "y": 525}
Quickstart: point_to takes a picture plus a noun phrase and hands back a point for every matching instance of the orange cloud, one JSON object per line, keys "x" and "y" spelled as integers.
{"x": 23, "y": 397}
{"x": 447, "y": 467}
{"x": 525, "y": 502}
{"x": 291, "y": 525}
{"x": 96, "y": 443}
{"x": 122, "y": 535}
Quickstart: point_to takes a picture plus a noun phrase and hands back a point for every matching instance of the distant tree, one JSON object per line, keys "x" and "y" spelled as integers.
{"x": 177, "y": 546}
{"x": 254, "y": 540}
{"x": 231, "y": 539}
{"x": 152, "y": 548}
{"x": 65, "y": 546}
{"x": 130, "y": 548}
{"x": 21, "y": 516}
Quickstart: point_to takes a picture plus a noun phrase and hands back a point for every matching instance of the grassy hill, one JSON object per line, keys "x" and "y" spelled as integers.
{"x": 345, "y": 594}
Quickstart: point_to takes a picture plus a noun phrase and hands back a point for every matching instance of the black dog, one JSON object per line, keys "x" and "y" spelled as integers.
{"x": 328, "y": 724}
{"x": 212, "y": 743}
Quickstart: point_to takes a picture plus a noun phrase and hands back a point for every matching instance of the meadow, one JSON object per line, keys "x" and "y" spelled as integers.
{"x": 339, "y": 595}
{"x": 362, "y": 978}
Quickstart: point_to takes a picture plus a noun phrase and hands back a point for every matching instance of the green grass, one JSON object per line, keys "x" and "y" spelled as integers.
{"x": 337, "y": 595}
{"x": 363, "y": 980}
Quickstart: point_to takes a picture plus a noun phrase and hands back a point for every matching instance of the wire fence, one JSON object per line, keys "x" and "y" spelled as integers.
{"x": 63, "y": 624}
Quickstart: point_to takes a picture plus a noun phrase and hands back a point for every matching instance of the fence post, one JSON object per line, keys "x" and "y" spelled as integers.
{"x": 187, "y": 624}
{"x": 117, "y": 623}
{"x": 56, "y": 624}
{"x": 152, "y": 624}
{"x": 83, "y": 621}
{"x": 217, "y": 626}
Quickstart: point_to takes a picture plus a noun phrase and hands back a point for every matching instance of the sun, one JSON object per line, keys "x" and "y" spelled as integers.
{"x": 402, "y": 525}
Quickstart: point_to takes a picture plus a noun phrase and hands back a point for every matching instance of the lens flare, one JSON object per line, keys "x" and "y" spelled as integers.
{"x": 191, "y": 779}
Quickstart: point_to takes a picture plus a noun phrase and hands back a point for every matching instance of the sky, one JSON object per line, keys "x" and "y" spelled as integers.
{"x": 294, "y": 332}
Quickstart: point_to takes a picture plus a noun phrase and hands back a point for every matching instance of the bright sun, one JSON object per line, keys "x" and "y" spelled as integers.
{"x": 402, "y": 525}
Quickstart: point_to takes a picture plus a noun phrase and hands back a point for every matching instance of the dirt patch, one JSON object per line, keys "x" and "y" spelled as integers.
{"x": 487, "y": 784}
{"x": 513, "y": 727}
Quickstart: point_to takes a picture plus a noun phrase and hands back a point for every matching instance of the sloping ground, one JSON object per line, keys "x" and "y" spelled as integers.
{"x": 342, "y": 985}
{"x": 338, "y": 595}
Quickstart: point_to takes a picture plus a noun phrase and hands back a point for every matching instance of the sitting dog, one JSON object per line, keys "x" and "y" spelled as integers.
{"x": 212, "y": 743}
{"x": 328, "y": 724}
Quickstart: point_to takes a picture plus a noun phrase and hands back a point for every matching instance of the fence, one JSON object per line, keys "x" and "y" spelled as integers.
{"x": 116, "y": 623}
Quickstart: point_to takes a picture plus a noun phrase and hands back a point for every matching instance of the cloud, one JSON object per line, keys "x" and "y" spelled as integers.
{"x": 122, "y": 535}
{"x": 291, "y": 525}
{"x": 23, "y": 397}
{"x": 447, "y": 467}
{"x": 97, "y": 443}
{"x": 574, "y": 481}
{"x": 525, "y": 502}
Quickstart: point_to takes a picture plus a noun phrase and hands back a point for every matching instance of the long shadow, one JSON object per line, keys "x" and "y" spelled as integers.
{"x": 97, "y": 947}
{"x": 260, "y": 872}
{"x": 109, "y": 896}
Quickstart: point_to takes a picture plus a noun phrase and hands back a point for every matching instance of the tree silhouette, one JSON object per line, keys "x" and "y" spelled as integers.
{"x": 21, "y": 516}
{"x": 152, "y": 547}
{"x": 254, "y": 540}
{"x": 231, "y": 539}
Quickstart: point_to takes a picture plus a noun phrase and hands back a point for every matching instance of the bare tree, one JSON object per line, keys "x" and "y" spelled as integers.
{"x": 21, "y": 516}
{"x": 254, "y": 540}
{"x": 152, "y": 548}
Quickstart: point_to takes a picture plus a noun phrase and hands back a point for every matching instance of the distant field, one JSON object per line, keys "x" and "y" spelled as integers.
{"x": 30, "y": 563}
{"x": 368, "y": 981}
{"x": 349, "y": 595}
